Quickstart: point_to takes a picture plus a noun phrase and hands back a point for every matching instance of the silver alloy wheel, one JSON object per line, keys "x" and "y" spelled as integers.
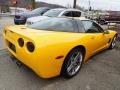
{"x": 74, "y": 63}
{"x": 114, "y": 42}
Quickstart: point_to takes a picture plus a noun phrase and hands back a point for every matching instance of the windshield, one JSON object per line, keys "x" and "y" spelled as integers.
{"x": 38, "y": 10}
{"x": 54, "y": 24}
{"x": 52, "y": 13}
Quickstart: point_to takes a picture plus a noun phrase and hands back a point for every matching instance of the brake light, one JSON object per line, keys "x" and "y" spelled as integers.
{"x": 21, "y": 42}
{"x": 30, "y": 46}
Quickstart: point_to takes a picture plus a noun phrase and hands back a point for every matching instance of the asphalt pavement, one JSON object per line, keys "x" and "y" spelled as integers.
{"x": 101, "y": 72}
{"x": 3, "y": 22}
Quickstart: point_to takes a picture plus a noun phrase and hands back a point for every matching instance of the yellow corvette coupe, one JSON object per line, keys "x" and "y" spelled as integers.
{"x": 57, "y": 46}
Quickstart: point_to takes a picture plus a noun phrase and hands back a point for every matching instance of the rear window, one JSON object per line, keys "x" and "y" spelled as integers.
{"x": 54, "y": 24}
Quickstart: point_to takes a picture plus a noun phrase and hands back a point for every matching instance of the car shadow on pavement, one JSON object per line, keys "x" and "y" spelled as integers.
{"x": 30, "y": 74}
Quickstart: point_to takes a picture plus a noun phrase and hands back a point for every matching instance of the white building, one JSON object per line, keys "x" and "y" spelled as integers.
{"x": 14, "y": 10}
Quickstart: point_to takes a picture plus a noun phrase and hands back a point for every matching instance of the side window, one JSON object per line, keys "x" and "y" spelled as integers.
{"x": 72, "y": 14}
{"x": 91, "y": 27}
{"x": 68, "y": 14}
{"x": 76, "y": 14}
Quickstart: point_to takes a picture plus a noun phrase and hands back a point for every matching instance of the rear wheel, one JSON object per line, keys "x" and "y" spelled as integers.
{"x": 72, "y": 63}
{"x": 113, "y": 43}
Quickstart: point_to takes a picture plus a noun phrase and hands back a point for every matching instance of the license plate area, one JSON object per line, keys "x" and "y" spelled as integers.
{"x": 12, "y": 46}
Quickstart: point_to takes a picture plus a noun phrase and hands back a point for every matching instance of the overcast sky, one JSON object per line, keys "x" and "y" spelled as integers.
{"x": 96, "y": 4}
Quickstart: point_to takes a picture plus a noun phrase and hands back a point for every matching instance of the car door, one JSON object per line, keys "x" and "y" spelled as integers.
{"x": 96, "y": 37}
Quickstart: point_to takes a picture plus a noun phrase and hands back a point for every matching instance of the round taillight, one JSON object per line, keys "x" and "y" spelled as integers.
{"x": 21, "y": 42}
{"x": 30, "y": 46}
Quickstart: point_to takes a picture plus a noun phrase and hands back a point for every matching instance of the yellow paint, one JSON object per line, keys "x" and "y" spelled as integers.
{"x": 49, "y": 45}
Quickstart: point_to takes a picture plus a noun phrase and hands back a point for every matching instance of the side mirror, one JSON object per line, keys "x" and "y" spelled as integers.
{"x": 106, "y": 32}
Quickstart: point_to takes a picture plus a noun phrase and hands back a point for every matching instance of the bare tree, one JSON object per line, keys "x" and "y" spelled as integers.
{"x": 33, "y": 4}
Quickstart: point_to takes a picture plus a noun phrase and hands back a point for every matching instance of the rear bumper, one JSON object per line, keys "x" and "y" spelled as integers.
{"x": 46, "y": 66}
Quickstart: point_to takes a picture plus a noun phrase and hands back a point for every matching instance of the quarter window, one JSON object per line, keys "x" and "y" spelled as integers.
{"x": 76, "y": 14}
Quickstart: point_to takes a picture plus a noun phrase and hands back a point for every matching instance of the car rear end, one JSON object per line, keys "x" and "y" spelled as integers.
{"x": 24, "y": 49}
{"x": 19, "y": 45}
{"x": 33, "y": 51}
{"x": 19, "y": 19}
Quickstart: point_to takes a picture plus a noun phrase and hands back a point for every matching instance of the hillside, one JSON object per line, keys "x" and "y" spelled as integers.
{"x": 26, "y": 3}
{"x": 43, "y": 4}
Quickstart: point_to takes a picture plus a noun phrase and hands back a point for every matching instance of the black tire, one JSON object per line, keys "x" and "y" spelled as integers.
{"x": 113, "y": 43}
{"x": 67, "y": 61}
